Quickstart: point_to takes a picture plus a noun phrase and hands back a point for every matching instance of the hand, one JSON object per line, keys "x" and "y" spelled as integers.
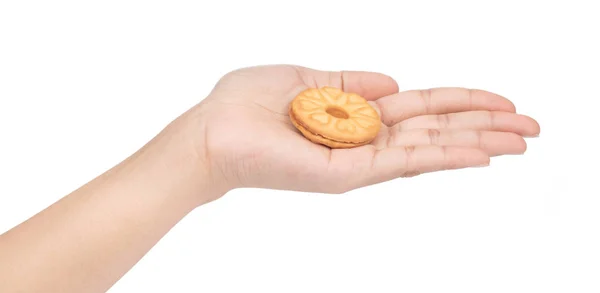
{"x": 241, "y": 136}
{"x": 249, "y": 140}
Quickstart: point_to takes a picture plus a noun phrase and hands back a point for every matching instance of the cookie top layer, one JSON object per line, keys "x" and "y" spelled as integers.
{"x": 336, "y": 115}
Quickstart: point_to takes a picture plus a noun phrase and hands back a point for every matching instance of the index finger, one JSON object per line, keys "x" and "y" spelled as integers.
{"x": 401, "y": 106}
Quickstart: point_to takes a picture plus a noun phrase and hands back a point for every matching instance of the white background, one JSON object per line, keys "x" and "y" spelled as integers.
{"x": 83, "y": 84}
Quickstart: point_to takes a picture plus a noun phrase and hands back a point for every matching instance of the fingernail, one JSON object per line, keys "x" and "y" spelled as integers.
{"x": 481, "y": 165}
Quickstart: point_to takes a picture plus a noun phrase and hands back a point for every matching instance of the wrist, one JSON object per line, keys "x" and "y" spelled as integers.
{"x": 175, "y": 161}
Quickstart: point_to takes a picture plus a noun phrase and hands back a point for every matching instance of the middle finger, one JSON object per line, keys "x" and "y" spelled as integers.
{"x": 475, "y": 120}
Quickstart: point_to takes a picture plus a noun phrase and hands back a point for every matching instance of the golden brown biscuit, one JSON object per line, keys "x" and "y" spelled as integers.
{"x": 334, "y": 118}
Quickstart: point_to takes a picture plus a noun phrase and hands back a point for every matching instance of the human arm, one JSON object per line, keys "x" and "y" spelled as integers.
{"x": 86, "y": 241}
{"x": 240, "y": 136}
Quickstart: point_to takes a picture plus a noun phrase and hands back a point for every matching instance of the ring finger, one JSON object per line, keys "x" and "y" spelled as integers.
{"x": 492, "y": 142}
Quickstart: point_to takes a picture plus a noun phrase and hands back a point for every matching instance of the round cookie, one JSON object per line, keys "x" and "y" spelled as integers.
{"x": 334, "y": 118}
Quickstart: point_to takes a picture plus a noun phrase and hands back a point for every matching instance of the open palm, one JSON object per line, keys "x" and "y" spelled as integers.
{"x": 252, "y": 143}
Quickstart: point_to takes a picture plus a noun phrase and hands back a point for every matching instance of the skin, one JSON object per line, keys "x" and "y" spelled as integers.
{"x": 241, "y": 136}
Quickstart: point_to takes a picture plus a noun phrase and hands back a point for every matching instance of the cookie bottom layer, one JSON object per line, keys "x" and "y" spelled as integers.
{"x": 319, "y": 139}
